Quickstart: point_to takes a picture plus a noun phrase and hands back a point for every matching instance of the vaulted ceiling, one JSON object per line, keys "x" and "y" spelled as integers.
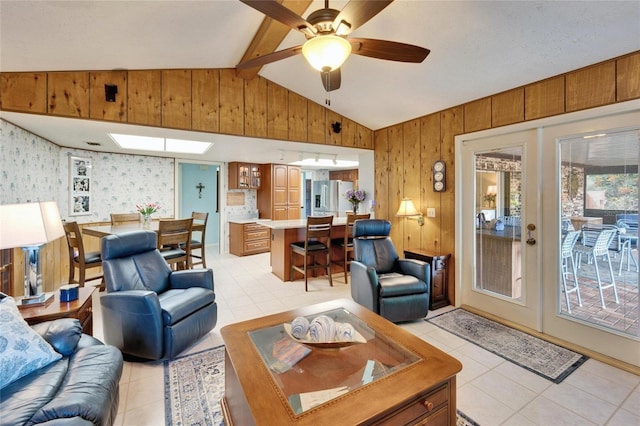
{"x": 477, "y": 48}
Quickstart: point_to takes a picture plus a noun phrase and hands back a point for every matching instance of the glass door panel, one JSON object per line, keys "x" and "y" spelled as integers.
{"x": 599, "y": 197}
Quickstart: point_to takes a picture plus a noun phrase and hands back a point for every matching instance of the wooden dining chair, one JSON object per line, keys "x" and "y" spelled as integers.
{"x": 346, "y": 243}
{"x": 317, "y": 241}
{"x": 119, "y": 218}
{"x": 174, "y": 238}
{"x": 198, "y": 239}
{"x": 80, "y": 259}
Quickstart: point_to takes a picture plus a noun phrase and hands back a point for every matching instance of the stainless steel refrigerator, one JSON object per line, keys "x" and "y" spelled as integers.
{"x": 328, "y": 198}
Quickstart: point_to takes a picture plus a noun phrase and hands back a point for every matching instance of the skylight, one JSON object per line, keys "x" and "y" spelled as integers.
{"x": 147, "y": 143}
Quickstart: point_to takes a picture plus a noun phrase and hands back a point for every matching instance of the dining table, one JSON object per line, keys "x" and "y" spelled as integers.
{"x": 104, "y": 230}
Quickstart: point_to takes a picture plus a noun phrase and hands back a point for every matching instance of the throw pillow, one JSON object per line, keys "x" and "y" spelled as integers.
{"x": 22, "y": 350}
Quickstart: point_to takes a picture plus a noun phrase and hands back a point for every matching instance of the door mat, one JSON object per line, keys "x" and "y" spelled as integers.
{"x": 543, "y": 358}
{"x": 194, "y": 385}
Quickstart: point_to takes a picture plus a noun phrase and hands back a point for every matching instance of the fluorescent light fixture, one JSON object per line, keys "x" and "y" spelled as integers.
{"x": 147, "y": 143}
{"x": 185, "y": 146}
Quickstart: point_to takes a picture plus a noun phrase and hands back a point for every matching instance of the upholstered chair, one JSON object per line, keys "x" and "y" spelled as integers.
{"x": 149, "y": 310}
{"x": 397, "y": 289}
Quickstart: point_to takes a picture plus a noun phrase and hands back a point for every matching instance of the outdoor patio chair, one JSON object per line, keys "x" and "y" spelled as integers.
{"x": 568, "y": 243}
{"x": 595, "y": 243}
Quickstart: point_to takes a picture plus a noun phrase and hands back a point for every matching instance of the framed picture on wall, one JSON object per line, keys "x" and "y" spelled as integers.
{"x": 79, "y": 186}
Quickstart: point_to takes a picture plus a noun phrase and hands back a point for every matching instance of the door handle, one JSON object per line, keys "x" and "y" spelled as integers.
{"x": 530, "y": 238}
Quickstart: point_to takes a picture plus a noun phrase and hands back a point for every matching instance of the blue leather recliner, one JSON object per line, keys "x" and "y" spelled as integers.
{"x": 397, "y": 289}
{"x": 149, "y": 310}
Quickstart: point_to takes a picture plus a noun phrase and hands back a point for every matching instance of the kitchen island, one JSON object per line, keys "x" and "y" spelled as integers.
{"x": 285, "y": 232}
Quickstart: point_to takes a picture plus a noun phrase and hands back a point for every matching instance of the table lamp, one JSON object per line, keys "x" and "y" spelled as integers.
{"x": 30, "y": 226}
{"x": 408, "y": 210}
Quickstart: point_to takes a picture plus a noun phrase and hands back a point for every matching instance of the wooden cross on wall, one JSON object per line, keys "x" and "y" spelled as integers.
{"x": 199, "y": 187}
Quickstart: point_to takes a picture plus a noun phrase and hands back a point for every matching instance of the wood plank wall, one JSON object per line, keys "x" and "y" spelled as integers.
{"x": 405, "y": 152}
{"x": 207, "y": 100}
{"x": 220, "y": 102}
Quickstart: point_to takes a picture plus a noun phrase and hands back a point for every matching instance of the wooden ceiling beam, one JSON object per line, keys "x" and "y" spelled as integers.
{"x": 269, "y": 36}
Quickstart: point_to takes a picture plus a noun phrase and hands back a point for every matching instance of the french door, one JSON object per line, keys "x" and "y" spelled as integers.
{"x": 500, "y": 226}
{"x": 516, "y": 189}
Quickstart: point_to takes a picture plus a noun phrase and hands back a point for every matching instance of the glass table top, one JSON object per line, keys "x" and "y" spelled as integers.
{"x": 311, "y": 373}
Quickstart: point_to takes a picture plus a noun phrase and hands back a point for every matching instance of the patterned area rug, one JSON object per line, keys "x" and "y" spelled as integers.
{"x": 546, "y": 359}
{"x": 194, "y": 385}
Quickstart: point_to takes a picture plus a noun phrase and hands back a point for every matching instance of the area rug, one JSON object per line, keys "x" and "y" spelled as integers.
{"x": 194, "y": 384}
{"x": 543, "y": 358}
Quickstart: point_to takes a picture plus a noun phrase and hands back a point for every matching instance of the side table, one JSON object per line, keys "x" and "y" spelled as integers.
{"x": 438, "y": 296}
{"x": 81, "y": 309}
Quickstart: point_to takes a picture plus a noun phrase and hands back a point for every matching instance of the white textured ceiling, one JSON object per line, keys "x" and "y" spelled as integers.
{"x": 478, "y": 48}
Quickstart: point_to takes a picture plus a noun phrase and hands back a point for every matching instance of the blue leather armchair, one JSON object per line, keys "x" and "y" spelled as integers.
{"x": 149, "y": 310}
{"x": 397, "y": 289}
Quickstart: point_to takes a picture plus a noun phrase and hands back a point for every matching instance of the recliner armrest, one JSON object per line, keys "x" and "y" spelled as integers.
{"x": 192, "y": 278}
{"x": 63, "y": 334}
{"x": 417, "y": 268}
{"x": 364, "y": 286}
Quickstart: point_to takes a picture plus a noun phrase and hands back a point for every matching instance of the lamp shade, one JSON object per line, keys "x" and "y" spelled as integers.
{"x": 492, "y": 189}
{"x": 407, "y": 208}
{"x": 326, "y": 52}
{"x": 29, "y": 224}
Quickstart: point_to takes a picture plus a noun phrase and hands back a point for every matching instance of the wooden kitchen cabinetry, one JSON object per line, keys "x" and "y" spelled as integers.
{"x": 345, "y": 175}
{"x": 248, "y": 238}
{"x": 279, "y": 196}
{"x": 244, "y": 176}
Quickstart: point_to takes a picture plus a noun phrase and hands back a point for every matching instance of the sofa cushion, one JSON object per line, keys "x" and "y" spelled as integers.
{"x": 90, "y": 389}
{"x": 178, "y": 304}
{"x": 22, "y": 350}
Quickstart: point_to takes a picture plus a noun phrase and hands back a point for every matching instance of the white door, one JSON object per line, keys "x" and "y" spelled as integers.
{"x": 542, "y": 176}
{"x": 500, "y": 238}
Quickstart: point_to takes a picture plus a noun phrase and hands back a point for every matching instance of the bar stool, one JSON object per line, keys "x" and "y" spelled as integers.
{"x": 568, "y": 243}
{"x": 346, "y": 243}
{"x": 318, "y": 230}
{"x": 80, "y": 259}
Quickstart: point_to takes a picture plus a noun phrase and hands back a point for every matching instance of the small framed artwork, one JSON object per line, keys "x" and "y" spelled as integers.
{"x": 79, "y": 186}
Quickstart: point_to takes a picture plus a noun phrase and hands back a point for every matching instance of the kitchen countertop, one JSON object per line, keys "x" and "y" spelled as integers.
{"x": 293, "y": 224}
{"x": 243, "y": 221}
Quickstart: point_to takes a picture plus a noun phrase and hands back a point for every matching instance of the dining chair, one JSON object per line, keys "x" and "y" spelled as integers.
{"x": 317, "y": 241}
{"x": 199, "y": 227}
{"x": 568, "y": 244}
{"x": 79, "y": 258}
{"x": 119, "y": 218}
{"x": 595, "y": 243}
{"x": 174, "y": 238}
{"x": 346, "y": 243}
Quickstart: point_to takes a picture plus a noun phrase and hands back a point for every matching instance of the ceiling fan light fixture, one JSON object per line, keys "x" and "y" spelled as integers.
{"x": 326, "y": 52}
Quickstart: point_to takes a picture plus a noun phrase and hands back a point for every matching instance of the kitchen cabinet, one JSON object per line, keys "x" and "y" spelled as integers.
{"x": 248, "y": 238}
{"x": 244, "y": 176}
{"x": 279, "y": 197}
{"x": 345, "y": 175}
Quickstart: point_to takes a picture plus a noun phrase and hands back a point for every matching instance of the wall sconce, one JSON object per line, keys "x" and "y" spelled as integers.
{"x": 408, "y": 210}
{"x": 110, "y": 91}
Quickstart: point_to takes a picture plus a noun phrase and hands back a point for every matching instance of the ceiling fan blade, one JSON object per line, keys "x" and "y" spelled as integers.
{"x": 331, "y": 80}
{"x": 357, "y": 13}
{"x": 275, "y": 10}
{"x": 271, "y": 57}
{"x": 389, "y": 50}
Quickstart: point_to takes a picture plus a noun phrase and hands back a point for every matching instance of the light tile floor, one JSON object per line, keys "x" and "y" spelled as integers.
{"x": 491, "y": 391}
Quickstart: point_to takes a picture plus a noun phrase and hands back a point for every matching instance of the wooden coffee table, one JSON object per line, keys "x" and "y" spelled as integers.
{"x": 81, "y": 309}
{"x": 393, "y": 378}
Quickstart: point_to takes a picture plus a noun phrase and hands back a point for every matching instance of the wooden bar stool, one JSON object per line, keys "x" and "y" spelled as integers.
{"x": 346, "y": 243}
{"x": 318, "y": 230}
{"x": 199, "y": 226}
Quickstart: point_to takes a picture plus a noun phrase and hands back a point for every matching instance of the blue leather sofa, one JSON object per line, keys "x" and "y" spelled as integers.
{"x": 80, "y": 389}
{"x": 149, "y": 310}
{"x": 397, "y": 289}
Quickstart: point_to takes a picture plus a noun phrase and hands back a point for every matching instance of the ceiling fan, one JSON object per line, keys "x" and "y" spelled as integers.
{"x": 327, "y": 47}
